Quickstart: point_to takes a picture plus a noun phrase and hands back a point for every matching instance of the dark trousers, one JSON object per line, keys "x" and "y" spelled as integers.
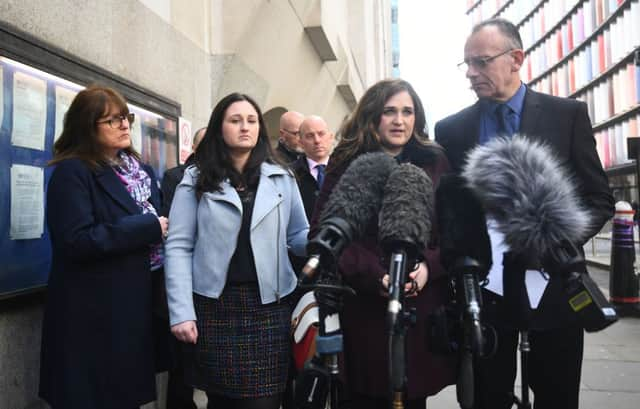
{"x": 554, "y": 366}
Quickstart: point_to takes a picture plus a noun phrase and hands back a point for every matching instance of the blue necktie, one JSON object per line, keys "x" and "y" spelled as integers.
{"x": 506, "y": 121}
{"x": 320, "y": 177}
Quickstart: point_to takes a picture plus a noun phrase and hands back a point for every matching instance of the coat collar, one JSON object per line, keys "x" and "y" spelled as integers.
{"x": 111, "y": 183}
{"x": 267, "y": 196}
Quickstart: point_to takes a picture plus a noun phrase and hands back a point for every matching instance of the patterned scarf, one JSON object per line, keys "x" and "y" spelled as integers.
{"x": 138, "y": 184}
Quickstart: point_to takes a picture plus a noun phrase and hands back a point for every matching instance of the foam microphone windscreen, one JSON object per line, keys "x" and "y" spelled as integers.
{"x": 357, "y": 196}
{"x": 532, "y": 197}
{"x": 407, "y": 206}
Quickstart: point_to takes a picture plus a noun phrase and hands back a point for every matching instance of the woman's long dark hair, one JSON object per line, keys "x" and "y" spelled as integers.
{"x": 359, "y": 134}
{"x": 213, "y": 158}
{"x": 79, "y": 137}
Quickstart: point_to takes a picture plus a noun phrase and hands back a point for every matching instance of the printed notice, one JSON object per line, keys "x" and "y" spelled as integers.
{"x": 27, "y": 202}
{"x": 64, "y": 97}
{"x": 29, "y": 111}
{"x": 185, "y": 140}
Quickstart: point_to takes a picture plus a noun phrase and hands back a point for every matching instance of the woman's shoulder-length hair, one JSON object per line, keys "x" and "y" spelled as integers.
{"x": 79, "y": 137}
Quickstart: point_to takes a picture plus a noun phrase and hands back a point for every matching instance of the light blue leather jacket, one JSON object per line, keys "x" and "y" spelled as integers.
{"x": 203, "y": 235}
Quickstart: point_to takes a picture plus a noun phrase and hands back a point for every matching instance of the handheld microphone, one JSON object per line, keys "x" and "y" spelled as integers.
{"x": 404, "y": 226}
{"x": 533, "y": 199}
{"x": 355, "y": 200}
{"x": 403, "y": 231}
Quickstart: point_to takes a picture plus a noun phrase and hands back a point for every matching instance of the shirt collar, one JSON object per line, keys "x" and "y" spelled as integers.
{"x": 516, "y": 102}
{"x": 312, "y": 163}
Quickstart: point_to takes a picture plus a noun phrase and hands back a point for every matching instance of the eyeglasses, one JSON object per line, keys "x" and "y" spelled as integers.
{"x": 296, "y": 133}
{"x": 480, "y": 63}
{"x": 116, "y": 121}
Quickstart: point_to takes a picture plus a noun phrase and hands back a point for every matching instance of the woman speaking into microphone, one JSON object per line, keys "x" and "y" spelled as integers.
{"x": 389, "y": 118}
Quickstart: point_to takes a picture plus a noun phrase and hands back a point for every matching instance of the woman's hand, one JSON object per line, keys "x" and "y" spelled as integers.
{"x": 186, "y": 332}
{"x": 416, "y": 281}
{"x": 164, "y": 225}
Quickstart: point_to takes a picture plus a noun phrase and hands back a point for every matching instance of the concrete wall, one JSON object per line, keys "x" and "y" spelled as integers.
{"x": 194, "y": 52}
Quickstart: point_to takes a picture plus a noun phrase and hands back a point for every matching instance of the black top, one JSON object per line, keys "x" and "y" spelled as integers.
{"x": 307, "y": 184}
{"x": 170, "y": 181}
{"x": 242, "y": 268}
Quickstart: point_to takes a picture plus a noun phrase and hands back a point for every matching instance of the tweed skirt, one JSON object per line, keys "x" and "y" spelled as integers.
{"x": 243, "y": 347}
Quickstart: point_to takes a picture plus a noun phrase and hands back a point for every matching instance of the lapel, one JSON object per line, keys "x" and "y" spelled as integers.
{"x": 302, "y": 165}
{"x": 268, "y": 195}
{"x": 228, "y": 194}
{"x": 112, "y": 185}
{"x": 472, "y": 125}
{"x": 529, "y": 123}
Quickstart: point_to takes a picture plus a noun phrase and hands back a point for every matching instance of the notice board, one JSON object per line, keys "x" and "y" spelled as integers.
{"x": 33, "y": 103}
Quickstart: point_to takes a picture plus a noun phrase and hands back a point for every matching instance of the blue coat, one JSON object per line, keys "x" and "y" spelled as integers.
{"x": 97, "y": 349}
{"x": 203, "y": 235}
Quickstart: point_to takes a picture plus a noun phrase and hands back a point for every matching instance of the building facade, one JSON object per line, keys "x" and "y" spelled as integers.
{"x": 172, "y": 59}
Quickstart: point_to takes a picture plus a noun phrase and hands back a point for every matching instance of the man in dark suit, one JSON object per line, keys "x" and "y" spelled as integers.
{"x": 179, "y": 394}
{"x": 317, "y": 143}
{"x": 493, "y": 56}
{"x": 289, "y": 149}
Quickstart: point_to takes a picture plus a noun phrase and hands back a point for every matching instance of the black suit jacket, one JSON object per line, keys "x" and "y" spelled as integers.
{"x": 309, "y": 192}
{"x": 306, "y": 183}
{"x": 170, "y": 181}
{"x": 564, "y": 125}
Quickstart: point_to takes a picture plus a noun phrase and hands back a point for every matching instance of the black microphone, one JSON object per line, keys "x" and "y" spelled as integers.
{"x": 354, "y": 201}
{"x": 462, "y": 225}
{"x": 535, "y": 203}
{"x": 465, "y": 252}
{"x": 404, "y": 228}
{"x": 465, "y": 248}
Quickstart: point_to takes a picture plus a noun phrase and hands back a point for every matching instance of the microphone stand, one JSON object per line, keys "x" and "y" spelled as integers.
{"x": 321, "y": 375}
{"x": 469, "y": 300}
{"x": 398, "y": 320}
{"x": 524, "y": 347}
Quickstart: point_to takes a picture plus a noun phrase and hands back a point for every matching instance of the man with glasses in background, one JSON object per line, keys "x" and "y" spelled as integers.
{"x": 289, "y": 147}
{"x": 493, "y": 56}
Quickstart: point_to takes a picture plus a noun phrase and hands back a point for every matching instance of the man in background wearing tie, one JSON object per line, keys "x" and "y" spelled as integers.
{"x": 493, "y": 56}
{"x": 317, "y": 143}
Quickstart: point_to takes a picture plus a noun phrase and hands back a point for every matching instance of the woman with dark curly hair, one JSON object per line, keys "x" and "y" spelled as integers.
{"x": 388, "y": 118}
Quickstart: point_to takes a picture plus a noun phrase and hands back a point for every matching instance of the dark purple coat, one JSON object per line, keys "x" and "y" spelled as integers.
{"x": 363, "y": 317}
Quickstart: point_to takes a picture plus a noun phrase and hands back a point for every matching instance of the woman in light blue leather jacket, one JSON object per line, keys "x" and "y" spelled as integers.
{"x": 233, "y": 218}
